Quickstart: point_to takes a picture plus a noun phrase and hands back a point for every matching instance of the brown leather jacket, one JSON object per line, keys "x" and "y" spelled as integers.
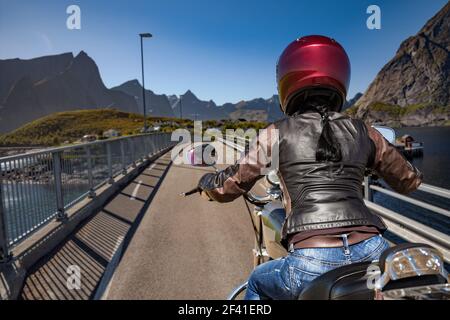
{"x": 317, "y": 195}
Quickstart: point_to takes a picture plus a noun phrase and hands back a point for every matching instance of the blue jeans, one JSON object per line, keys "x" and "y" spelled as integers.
{"x": 285, "y": 278}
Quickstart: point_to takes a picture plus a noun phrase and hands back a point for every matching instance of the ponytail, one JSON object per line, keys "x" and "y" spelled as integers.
{"x": 328, "y": 148}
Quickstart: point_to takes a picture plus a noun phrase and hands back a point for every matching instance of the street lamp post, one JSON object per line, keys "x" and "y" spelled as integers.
{"x": 142, "y": 36}
{"x": 181, "y": 108}
{"x": 195, "y": 115}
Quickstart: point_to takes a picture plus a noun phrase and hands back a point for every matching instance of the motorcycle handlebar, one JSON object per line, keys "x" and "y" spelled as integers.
{"x": 254, "y": 199}
{"x": 250, "y": 197}
{"x": 188, "y": 193}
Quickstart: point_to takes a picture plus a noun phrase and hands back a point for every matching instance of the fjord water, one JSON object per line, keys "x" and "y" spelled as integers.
{"x": 434, "y": 164}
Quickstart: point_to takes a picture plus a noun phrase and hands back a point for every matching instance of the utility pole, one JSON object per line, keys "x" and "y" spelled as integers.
{"x": 195, "y": 115}
{"x": 142, "y": 36}
{"x": 181, "y": 108}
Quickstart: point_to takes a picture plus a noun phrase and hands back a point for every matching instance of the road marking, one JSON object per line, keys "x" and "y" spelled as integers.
{"x": 105, "y": 284}
{"x": 151, "y": 167}
{"x": 136, "y": 189}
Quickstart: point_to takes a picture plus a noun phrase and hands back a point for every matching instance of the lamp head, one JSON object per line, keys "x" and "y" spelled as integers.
{"x": 145, "y": 35}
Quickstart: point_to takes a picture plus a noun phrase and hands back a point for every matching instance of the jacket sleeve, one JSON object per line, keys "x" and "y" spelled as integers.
{"x": 235, "y": 180}
{"x": 392, "y": 166}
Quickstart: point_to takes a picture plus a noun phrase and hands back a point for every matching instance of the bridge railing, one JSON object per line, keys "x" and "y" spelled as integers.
{"x": 406, "y": 228}
{"x": 37, "y": 187}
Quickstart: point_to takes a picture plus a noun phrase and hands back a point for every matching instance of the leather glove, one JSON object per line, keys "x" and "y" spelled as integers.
{"x": 204, "y": 195}
{"x": 203, "y": 185}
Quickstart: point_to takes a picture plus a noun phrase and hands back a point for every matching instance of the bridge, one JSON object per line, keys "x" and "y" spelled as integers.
{"x": 104, "y": 220}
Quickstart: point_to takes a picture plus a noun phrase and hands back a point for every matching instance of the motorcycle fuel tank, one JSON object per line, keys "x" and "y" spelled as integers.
{"x": 273, "y": 216}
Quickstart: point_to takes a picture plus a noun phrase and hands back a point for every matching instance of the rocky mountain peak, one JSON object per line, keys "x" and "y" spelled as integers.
{"x": 438, "y": 26}
{"x": 156, "y": 104}
{"x": 352, "y": 101}
{"x": 134, "y": 82}
{"x": 82, "y": 58}
{"x": 189, "y": 95}
{"x": 418, "y": 74}
{"x": 82, "y": 54}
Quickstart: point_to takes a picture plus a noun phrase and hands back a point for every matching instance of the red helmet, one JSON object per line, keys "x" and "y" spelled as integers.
{"x": 313, "y": 64}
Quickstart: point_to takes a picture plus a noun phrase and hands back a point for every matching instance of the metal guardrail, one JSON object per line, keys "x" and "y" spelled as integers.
{"x": 411, "y": 230}
{"x": 37, "y": 187}
{"x": 413, "y": 201}
{"x": 435, "y": 190}
{"x": 406, "y": 228}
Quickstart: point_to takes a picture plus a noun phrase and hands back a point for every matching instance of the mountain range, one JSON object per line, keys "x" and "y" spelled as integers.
{"x": 411, "y": 89}
{"x": 157, "y": 104}
{"x": 30, "y": 89}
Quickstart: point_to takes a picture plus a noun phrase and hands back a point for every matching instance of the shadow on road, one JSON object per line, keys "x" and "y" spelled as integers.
{"x": 79, "y": 265}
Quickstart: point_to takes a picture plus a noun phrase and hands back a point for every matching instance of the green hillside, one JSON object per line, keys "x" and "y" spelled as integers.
{"x": 68, "y": 127}
{"x": 416, "y": 115}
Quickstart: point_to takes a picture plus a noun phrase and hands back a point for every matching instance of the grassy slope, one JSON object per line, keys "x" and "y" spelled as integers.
{"x": 70, "y": 126}
{"x": 394, "y": 111}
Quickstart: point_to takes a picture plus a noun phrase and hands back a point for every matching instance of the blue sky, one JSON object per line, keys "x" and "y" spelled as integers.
{"x": 221, "y": 50}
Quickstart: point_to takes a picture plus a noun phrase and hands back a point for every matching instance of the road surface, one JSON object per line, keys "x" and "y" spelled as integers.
{"x": 148, "y": 242}
{"x": 185, "y": 247}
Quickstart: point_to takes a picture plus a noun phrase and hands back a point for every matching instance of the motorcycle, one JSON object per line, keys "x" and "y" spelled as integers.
{"x": 404, "y": 271}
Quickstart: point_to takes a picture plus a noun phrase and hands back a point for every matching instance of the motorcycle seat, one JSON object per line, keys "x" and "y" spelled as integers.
{"x": 350, "y": 282}
{"x": 344, "y": 283}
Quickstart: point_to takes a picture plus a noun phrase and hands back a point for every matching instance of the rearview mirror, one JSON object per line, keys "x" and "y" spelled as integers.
{"x": 272, "y": 178}
{"x": 202, "y": 155}
{"x": 386, "y": 132}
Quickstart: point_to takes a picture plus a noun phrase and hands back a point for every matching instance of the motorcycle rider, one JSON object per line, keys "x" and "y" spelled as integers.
{"x": 323, "y": 155}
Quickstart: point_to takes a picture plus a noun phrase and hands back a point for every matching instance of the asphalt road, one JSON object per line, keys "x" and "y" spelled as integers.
{"x": 185, "y": 247}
